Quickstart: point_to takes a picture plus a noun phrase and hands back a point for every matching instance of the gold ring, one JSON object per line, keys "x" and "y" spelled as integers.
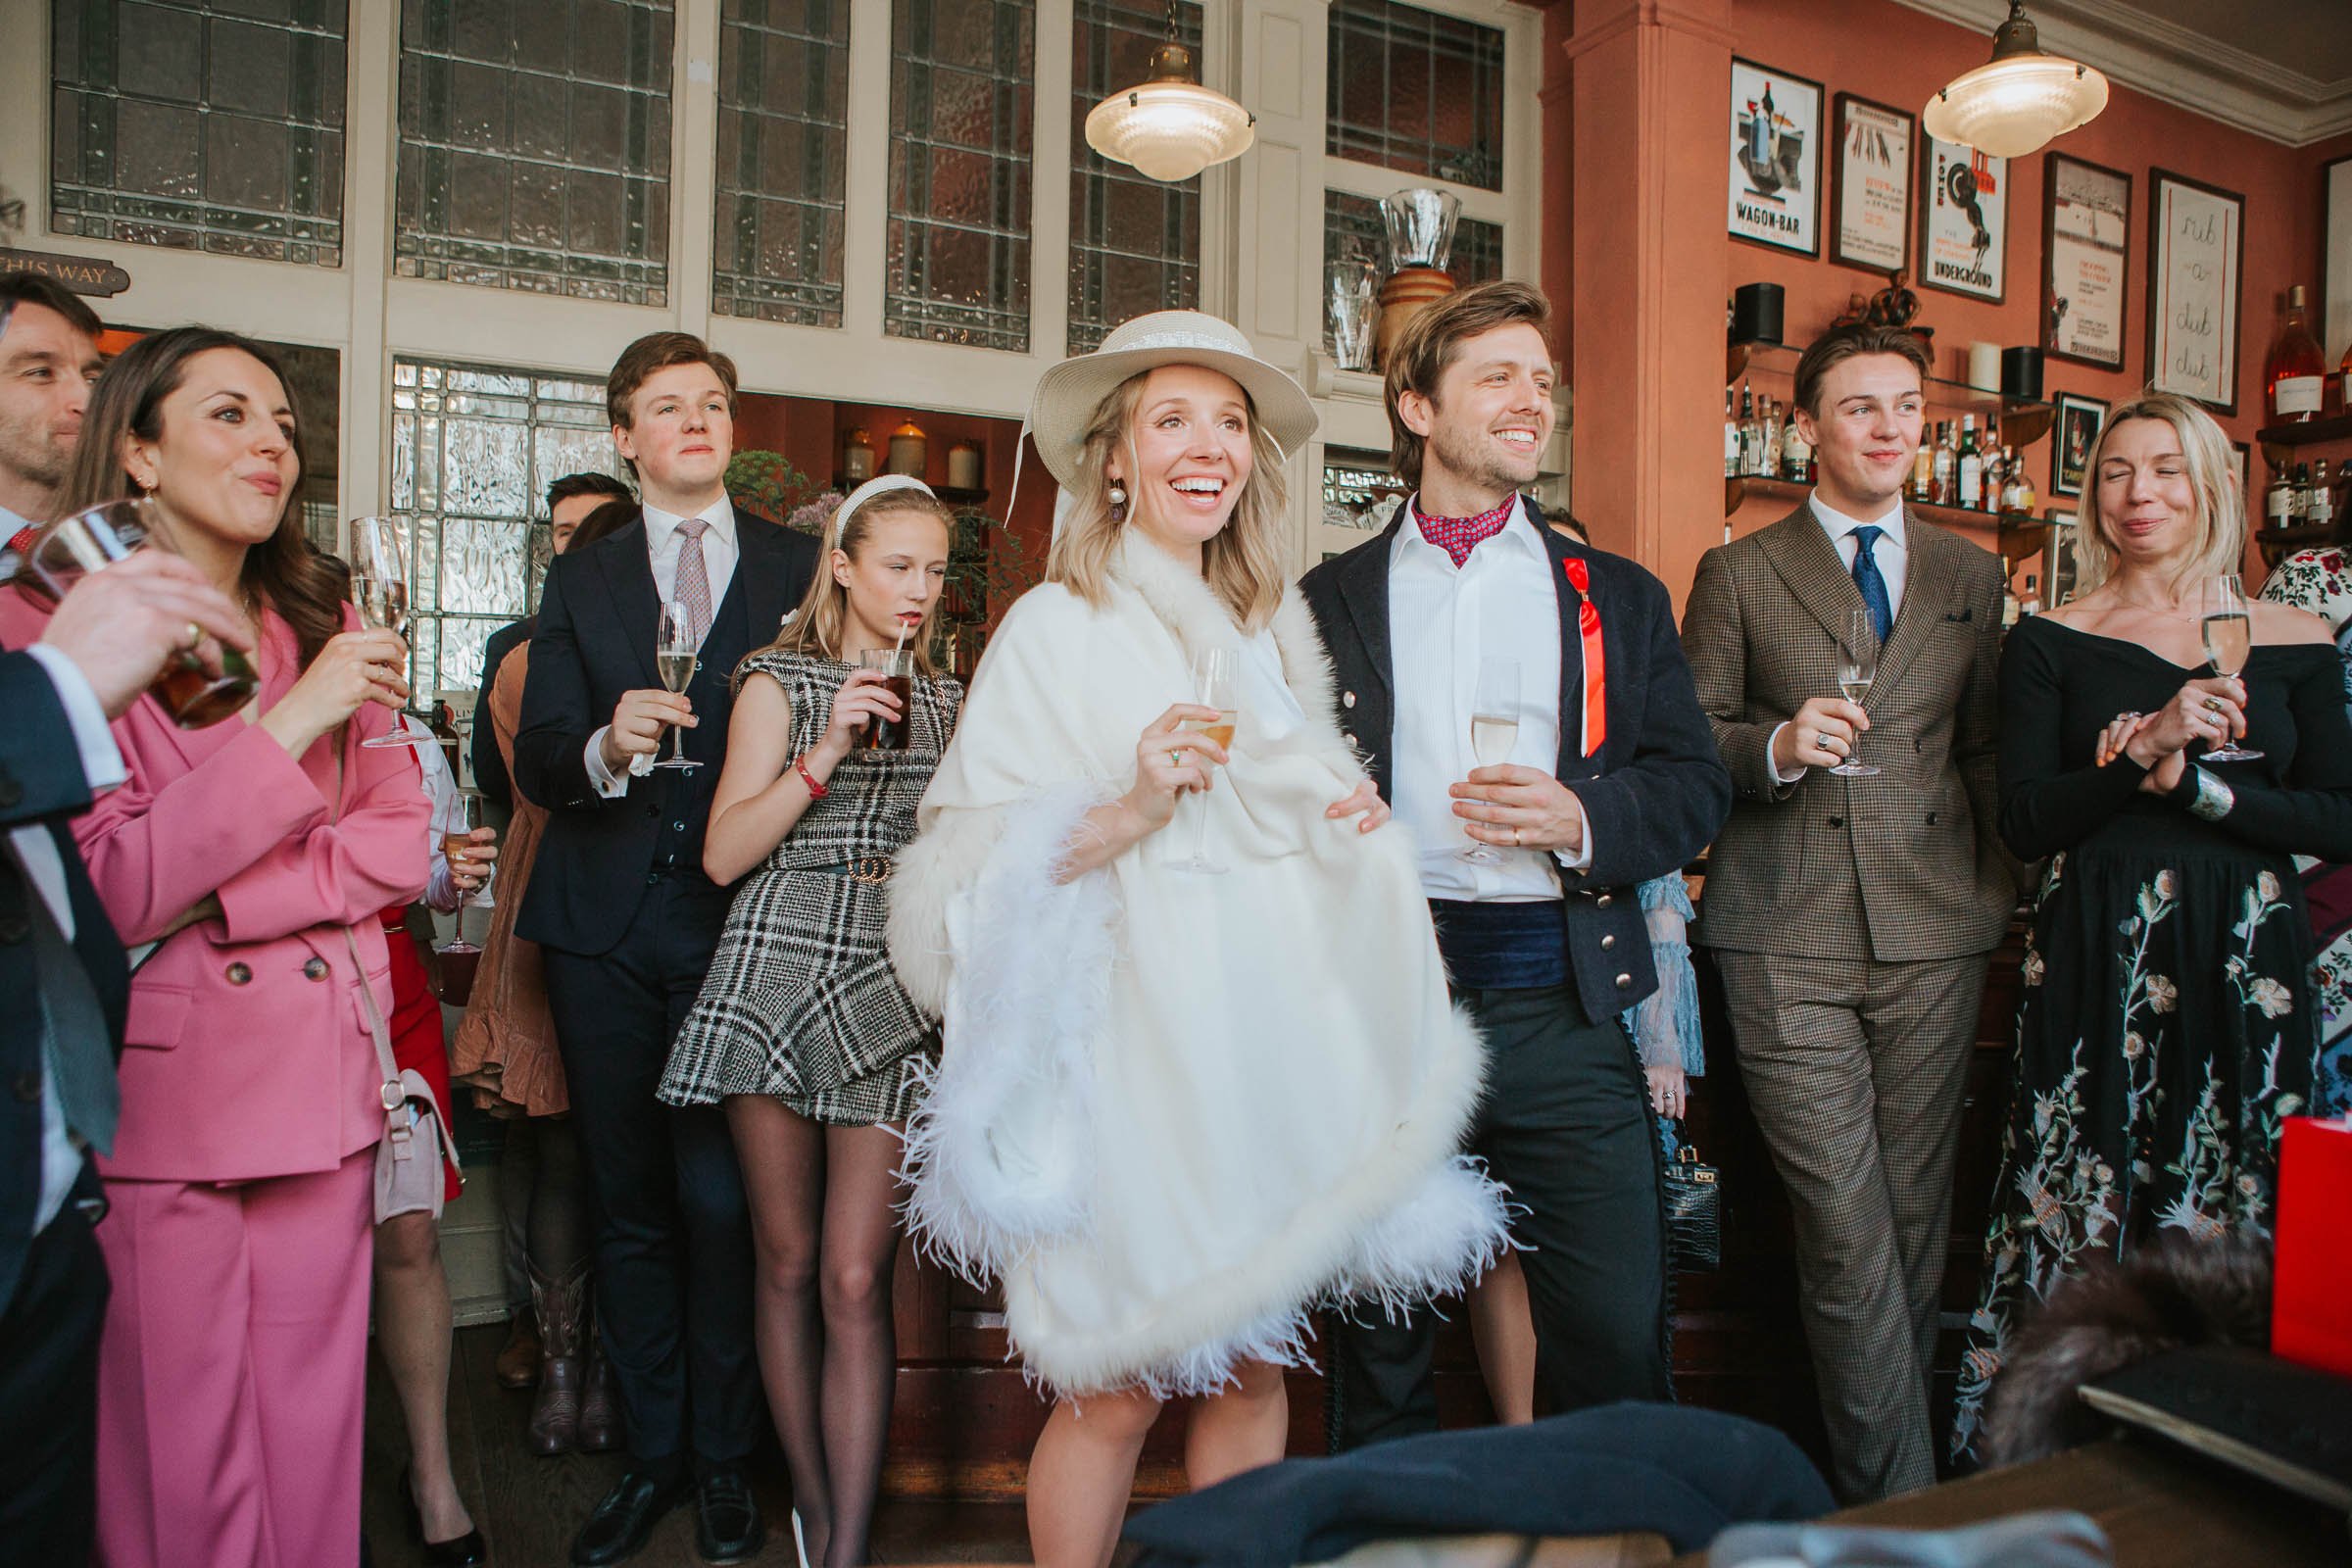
{"x": 195, "y": 636}
{"x": 2213, "y": 704}
{"x": 1514, "y": 838}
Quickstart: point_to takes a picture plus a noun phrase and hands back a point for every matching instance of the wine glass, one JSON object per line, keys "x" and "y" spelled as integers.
{"x": 379, "y": 589}
{"x": 1494, "y": 733}
{"x": 463, "y": 817}
{"x": 1216, "y": 683}
{"x": 1857, "y": 668}
{"x": 674, "y": 658}
{"x": 2228, "y": 631}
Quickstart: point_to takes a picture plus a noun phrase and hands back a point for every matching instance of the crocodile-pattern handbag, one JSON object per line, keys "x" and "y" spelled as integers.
{"x": 1693, "y": 1211}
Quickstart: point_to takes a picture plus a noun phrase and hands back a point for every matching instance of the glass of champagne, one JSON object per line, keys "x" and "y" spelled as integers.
{"x": 465, "y": 815}
{"x": 1216, "y": 683}
{"x": 379, "y": 589}
{"x": 2228, "y": 631}
{"x": 1494, "y": 733}
{"x": 194, "y": 692}
{"x": 1857, "y": 668}
{"x": 674, "y": 656}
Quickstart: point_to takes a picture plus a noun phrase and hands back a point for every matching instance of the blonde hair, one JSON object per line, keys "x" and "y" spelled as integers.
{"x": 2221, "y": 507}
{"x": 817, "y": 625}
{"x": 1243, "y": 564}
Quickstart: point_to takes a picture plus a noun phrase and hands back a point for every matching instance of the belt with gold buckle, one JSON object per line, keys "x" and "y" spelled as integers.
{"x": 870, "y": 868}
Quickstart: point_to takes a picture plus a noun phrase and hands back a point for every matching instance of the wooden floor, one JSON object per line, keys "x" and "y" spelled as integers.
{"x": 530, "y": 1506}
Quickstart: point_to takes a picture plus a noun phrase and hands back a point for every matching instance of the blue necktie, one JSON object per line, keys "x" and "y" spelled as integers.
{"x": 1872, "y": 585}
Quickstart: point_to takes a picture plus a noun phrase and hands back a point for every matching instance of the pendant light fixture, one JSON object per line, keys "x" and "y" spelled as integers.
{"x": 1170, "y": 127}
{"x": 2015, "y": 103}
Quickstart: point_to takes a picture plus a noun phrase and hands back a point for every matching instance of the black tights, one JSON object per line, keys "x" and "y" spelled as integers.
{"x": 824, "y": 1233}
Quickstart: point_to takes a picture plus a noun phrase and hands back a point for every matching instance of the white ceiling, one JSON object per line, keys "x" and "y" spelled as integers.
{"x": 2281, "y": 68}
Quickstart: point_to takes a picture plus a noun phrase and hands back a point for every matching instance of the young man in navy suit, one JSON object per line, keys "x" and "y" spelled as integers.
{"x": 1530, "y": 865}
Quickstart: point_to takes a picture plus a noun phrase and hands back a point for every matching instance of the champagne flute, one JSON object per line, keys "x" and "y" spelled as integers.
{"x": 674, "y": 656}
{"x": 2228, "y": 631}
{"x": 1857, "y": 670}
{"x": 1216, "y": 683}
{"x": 1494, "y": 733}
{"x": 380, "y": 588}
{"x": 464, "y": 815}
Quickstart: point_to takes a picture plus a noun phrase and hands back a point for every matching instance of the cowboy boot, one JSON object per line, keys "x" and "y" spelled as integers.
{"x": 561, "y": 1306}
{"x": 600, "y": 1399}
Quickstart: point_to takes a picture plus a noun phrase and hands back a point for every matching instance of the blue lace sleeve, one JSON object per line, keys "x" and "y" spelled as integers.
{"x": 1665, "y": 1027}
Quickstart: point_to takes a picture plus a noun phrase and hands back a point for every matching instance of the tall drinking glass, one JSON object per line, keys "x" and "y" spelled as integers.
{"x": 1857, "y": 670}
{"x": 897, "y": 665}
{"x": 464, "y": 815}
{"x": 2228, "y": 631}
{"x": 380, "y": 588}
{"x": 1493, "y": 731}
{"x": 1216, "y": 683}
{"x": 674, "y": 656}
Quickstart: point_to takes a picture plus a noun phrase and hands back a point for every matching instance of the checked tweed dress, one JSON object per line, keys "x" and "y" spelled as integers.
{"x": 800, "y": 1002}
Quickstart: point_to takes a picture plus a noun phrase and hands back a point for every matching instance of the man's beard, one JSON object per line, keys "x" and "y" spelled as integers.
{"x": 1476, "y": 463}
{"x": 32, "y": 455}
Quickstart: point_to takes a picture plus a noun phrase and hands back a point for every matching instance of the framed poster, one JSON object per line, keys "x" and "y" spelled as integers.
{"x": 2245, "y": 483}
{"x": 2058, "y": 559}
{"x": 2335, "y": 262}
{"x": 1874, "y": 187}
{"x": 2075, "y": 431}
{"x": 2085, "y": 238}
{"x": 1775, "y": 159}
{"x": 2196, "y": 263}
{"x": 1963, "y": 220}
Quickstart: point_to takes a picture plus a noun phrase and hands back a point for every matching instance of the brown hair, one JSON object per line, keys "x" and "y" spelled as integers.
{"x": 816, "y": 626}
{"x": 656, "y": 352}
{"x": 590, "y": 483}
{"x": 1842, "y": 343}
{"x": 282, "y": 572}
{"x": 1243, "y": 564}
{"x": 31, "y": 288}
{"x": 1428, "y": 344}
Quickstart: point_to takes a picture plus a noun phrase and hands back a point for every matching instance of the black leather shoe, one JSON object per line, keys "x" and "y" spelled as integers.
{"x": 624, "y": 1519}
{"x": 727, "y": 1527}
{"x": 469, "y": 1550}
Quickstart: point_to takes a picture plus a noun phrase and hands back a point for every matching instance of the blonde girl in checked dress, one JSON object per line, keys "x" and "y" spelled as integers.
{"x": 803, "y": 1032}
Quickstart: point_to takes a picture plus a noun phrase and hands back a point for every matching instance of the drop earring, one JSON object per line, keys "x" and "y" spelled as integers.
{"x": 1118, "y": 502}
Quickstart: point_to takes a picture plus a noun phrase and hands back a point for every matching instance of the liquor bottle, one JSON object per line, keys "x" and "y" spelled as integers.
{"x": 2277, "y": 501}
{"x": 2011, "y": 606}
{"x": 2029, "y": 603}
{"x": 1996, "y": 473}
{"x": 1923, "y": 473}
{"x": 1946, "y": 480}
{"x": 2298, "y": 496}
{"x": 1970, "y": 467}
{"x": 1771, "y": 467}
{"x": 2296, "y": 372}
{"x": 2027, "y": 498}
{"x": 1796, "y": 454}
{"x": 1750, "y": 441}
{"x": 2322, "y": 509}
{"x": 1731, "y": 438}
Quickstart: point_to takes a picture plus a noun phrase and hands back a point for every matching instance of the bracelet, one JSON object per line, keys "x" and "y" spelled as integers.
{"x": 816, "y": 791}
{"x": 2213, "y": 799}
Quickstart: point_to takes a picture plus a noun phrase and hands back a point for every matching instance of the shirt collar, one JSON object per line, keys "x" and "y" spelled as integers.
{"x": 1838, "y": 524}
{"x": 1517, "y": 534}
{"x": 659, "y": 526}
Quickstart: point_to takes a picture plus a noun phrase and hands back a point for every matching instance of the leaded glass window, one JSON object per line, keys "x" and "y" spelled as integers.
{"x": 200, "y": 124}
{"x": 1352, "y": 229}
{"x": 1135, "y": 243}
{"x": 1415, "y": 91}
{"x": 473, "y": 451}
{"x": 783, "y": 139}
{"x": 962, "y": 94}
{"x": 534, "y": 146}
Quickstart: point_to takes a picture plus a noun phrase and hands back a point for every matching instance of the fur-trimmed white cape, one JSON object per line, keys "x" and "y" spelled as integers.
{"x": 1176, "y": 1113}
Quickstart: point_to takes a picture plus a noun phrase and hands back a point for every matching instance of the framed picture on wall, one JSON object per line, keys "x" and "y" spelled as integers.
{"x": 2086, "y": 239}
{"x": 2247, "y": 499}
{"x": 1775, "y": 159}
{"x": 1874, "y": 187}
{"x": 1963, "y": 220}
{"x": 2077, "y": 427}
{"x": 2335, "y": 266}
{"x": 2058, "y": 558}
{"x": 2196, "y": 264}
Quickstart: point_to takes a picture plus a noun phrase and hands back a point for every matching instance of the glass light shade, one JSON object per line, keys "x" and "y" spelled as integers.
{"x": 2011, "y": 107}
{"x": 1170, "y": 130}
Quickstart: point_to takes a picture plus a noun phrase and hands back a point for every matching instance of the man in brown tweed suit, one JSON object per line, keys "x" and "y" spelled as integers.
{"x": 1851, "y": 919}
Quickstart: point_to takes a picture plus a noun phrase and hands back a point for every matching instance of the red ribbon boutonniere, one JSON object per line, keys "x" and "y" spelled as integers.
{"x": 1595, "y": 727}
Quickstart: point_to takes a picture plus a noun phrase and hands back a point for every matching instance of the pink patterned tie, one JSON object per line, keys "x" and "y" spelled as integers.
{"x": 693, "y": 580}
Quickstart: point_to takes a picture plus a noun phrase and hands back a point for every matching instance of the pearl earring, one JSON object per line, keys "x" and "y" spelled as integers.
{"x": 1118, "y": 501}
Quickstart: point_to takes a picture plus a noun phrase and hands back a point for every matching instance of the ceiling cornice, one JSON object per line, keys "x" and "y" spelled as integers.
{"x": 2172, "y": 63}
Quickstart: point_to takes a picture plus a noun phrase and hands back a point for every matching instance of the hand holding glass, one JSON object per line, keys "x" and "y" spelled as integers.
{"x": 1216, "y": 683}
{"x": 2229, "y": 629}
{"x": 1857, "y": 670}
{"x": 674, "y": 656}
{"x": 379, "y": 589}
{"x": 1494, "y": 733}
{"x": 464, "y": 817}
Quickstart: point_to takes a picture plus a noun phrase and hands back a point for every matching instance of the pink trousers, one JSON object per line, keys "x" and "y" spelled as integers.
{"x": 232, "y": 1372}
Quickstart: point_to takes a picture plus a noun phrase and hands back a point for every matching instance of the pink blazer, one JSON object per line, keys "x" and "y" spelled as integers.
{"x": 247, "y": 1050}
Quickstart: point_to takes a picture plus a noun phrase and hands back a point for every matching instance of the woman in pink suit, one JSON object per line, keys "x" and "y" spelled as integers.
{"x": 254, "y": 853}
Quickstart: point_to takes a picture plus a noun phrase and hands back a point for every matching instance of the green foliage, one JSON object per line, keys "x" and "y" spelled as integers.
{"x": 765, "y": 483}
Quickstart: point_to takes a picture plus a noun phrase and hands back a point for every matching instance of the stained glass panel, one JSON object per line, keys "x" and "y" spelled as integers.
{"x": 1135, "y": 243}
{"x": 962, "y": 102}
{"x": 474, "y": 449}
{"x": 1415, "y": 91}
{"x": 1352, "y": 229}
{"x": 200, "y": 124}
{"x": 783, "y": 148}
{"x": 534, "y": 145}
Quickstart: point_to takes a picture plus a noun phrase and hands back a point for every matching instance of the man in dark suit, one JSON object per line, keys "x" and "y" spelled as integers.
{"x": 63, "y": 975}
{"x": 1852, "y": 917}
{"x": 1468, "y": 604}
{"x": 569, "y": 500}
{"x": 619, "y": 902}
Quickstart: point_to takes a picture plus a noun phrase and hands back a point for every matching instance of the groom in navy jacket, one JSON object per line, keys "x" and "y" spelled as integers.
{"x": 1468, "y": 602}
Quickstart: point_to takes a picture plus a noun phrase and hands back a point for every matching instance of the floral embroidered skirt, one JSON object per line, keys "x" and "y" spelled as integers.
{"x": 2166, "y": 1029}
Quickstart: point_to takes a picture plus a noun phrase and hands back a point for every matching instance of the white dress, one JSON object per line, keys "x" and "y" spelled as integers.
{"x": 1175, "y": 1114}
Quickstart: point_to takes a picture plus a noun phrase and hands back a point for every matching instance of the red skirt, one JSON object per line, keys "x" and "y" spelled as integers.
{"x": 415, "y": 1023}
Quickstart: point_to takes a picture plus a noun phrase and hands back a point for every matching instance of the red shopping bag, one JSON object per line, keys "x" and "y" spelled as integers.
{"x": 2311, "y": 1301}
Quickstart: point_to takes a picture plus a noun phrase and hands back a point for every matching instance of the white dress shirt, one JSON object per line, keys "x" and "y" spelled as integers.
{"x": 36, "y": 852}
{"x": 1442, "y": 621}
{"x": 662, "y": 542}
{"x": 1890, "y": 551}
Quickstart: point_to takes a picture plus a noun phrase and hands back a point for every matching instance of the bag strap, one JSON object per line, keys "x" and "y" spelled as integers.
{"x": 393, "y": 1097}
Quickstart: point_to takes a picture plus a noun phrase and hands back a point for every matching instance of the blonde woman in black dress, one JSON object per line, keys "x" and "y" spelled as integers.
{"x": 803, "y": 1032}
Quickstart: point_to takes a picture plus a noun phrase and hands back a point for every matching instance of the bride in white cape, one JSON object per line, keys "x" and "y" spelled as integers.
{"x": 1175, "y": 1112}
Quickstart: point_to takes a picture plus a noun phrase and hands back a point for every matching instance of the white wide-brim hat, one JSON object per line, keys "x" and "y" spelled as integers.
{"x": 1068, "y": 394}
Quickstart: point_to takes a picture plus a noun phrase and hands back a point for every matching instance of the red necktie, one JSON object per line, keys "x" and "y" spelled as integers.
{"x": 1596, "y": 706}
